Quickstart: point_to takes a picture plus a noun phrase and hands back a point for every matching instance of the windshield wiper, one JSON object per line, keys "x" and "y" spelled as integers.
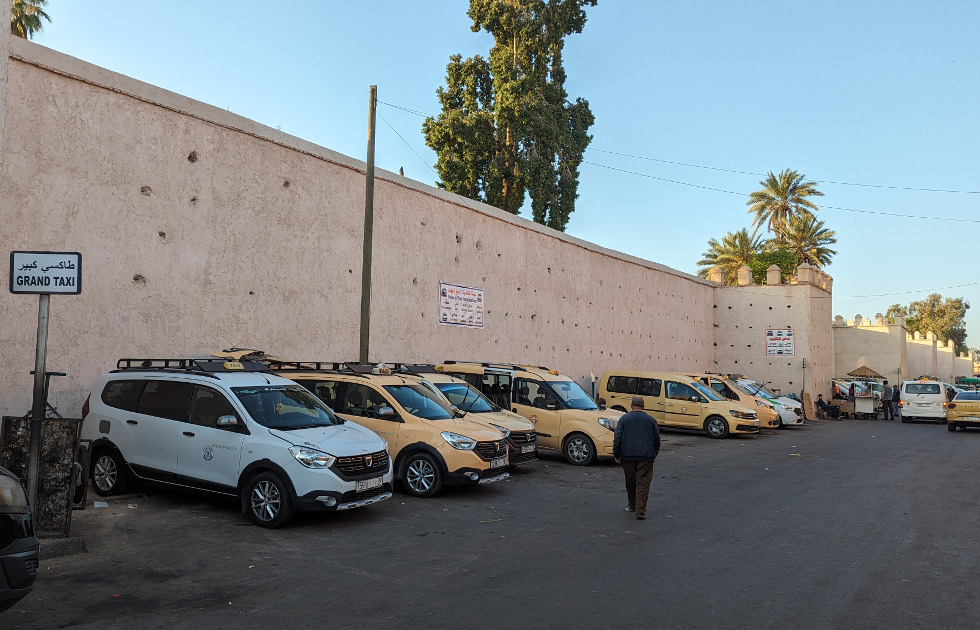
{"x": 296, "y": 427}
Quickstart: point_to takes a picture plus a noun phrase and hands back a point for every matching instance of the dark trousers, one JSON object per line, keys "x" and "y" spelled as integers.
{"x": 638, "y": 478}
{"x": 886, "y": 407}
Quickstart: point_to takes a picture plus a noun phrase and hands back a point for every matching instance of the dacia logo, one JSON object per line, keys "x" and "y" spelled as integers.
{"x": 368, "y": 460}
{"x": 208, "y": 453}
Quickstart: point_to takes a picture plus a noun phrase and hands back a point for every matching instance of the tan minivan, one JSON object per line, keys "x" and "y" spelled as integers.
{"x": 730, "y": 390}
{"x": 429, "y": 441}
{"x": 677, "y": 400}
{"x": 565, "y": 418}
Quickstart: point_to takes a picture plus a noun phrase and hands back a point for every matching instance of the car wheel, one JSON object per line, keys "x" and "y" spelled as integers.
{"x": 951, "y": 427}
{"x": 423, "y": 475}
{"x": 579, "y": 449}
{"x": 107, "y": 474}
{"x": 267, "y": 501}
{"x": 906, "y": 419}
{"x": 779, "y": 424}
{"x": 716, "y": 427}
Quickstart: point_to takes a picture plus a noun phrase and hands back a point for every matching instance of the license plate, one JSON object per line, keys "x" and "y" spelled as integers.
{"x": 971, "y": 419}
{"x": 527, "y": 449}
{"x": 497, "y": 463}
{"x": 367, "y": 484}
{"x": 923, "y": 404}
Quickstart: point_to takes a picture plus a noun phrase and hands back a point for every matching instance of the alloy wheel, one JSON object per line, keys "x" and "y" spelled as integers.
{"x": 265, "y": 500}
{"x": 420, "y": 476}
{"x": 716, "y": 427}
{"x": 578, "y": 450}
{"x": 106, "y": 473}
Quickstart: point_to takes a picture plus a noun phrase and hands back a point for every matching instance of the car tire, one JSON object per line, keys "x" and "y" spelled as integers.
{"x": 951, "y": 427}
{"x": 716, "y": 427}
{"x": 579, "y": 449}
{"x": 423, "y": 475}
{"x": 267, "y": 501}
{"x": 906, "y": 419}
{"x": 108, "y": 473}
{"x": 779, "y": 424}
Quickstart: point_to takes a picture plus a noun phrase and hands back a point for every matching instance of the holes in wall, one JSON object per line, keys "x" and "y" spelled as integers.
{"x": 479, "y": 246}
{"x": 192, "y": 156}
{"x": 285, "y": 183}
{"x": 251, "y": 292}
{"x": 194, "y": 199}
{"x": 415, "y": 281}
{"x": 459, "y": 239}
{"x": 146, "y": 191}
{"x": 139, "y": 278}
{"x": 162, "y": 234}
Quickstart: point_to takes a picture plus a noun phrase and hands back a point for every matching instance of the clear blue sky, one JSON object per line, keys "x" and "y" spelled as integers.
{"x": 869, "y": 92}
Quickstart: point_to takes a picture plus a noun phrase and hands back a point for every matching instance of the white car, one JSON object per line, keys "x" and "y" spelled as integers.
{"x": 229, "y": 428}
{"x": 790, "y": 411}
{"x": 924, "y": 400}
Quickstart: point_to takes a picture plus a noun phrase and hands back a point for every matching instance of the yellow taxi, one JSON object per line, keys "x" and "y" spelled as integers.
{"x": 677, "y": 400}
{"x": 731, "y": 390}
{"x": 963, "y": 411}
{"x": 432, "y": 444}
{"x": 565, "y": 418}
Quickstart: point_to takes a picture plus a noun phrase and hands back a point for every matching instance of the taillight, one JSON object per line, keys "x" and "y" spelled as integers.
{"x": 951, "y": 406}
{"x": 945, "y": 404}
{"x": 85, "y": 407}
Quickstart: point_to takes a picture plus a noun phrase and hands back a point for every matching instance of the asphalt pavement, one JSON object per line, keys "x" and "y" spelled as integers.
{"x": 851, "y": 524}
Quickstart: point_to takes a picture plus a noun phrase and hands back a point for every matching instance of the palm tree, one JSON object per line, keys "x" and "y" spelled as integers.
{"x": 808, "y": 239}
{"x": 736, "y": 249}
{"x": 26, "y": 16}
{"x": 782, "y": 196}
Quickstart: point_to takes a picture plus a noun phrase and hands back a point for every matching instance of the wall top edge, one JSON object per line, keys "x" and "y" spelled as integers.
{"x": 30, "y": 53}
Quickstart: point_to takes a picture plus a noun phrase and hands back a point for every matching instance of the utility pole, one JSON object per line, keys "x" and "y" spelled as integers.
{"x": 37, "y": 409}
{"x": 368, "y": 231}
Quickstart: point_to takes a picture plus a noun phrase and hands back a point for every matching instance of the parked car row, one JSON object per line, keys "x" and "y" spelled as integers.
{"x": 281, "y": 436}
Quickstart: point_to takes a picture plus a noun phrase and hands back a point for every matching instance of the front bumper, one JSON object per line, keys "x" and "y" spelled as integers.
{"x": 18, "y": 569}
{"x": 746, "y": 428}
{"x": 465, "y": 476}
{"x": 517, "y": 443}
{"x": 333, "y": 501}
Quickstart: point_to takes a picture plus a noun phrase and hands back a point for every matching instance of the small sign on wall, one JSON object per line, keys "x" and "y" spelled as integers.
{"x": 460, "y": 306}
{"x": 780, "y": 342}
{"x": 46, "y": 272}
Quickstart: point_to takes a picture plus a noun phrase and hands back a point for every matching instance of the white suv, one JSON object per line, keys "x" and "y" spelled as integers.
{"x": 230, "y": 428}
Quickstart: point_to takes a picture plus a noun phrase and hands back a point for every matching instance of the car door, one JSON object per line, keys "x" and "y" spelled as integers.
{"x": 163, "y": 405}
{"x": 652, "y": 391}
{"x": 531, "y": 399}
{"x": 209, "y": 456}
{"x": 683, "y": 406}
{"x": 359, "y": 403}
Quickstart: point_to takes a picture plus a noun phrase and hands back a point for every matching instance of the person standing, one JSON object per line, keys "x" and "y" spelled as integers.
{"x": 886, "y": 401}
{"x": 850, "y": 393}
{"x": 897, "y": 402}
{"x": 636, "y": 444}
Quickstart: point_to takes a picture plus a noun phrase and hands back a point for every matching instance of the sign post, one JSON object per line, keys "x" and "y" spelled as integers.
{"x": 42, "y": 273}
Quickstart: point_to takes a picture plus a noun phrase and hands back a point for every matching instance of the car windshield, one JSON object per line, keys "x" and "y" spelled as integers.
{"x": 761, "y": 389}
{"x": 420, "y": 402}
{"x": 968, "y": 396}
{"x": 466, "y": 398}
{"x": 706, "y": 391}
{"x": 285, "y": 407}
{"x": 742, "y": 389}
{"x": 572, "y": 395}
{"x": 922, "y": 388}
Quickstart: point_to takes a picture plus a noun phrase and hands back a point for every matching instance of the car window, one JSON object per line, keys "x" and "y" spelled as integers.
{"x": 680, "y": 391}
{"x": 531, "y": 394}
{"x": 363, "y": 400}
{"x": 968, "y": 396}
{"x": 327, "y": 391}
{"x": 573, "y": 395}
{"x": 285, "y": 407}
{"x": 922, "y": 388}
{"x": 420, "y": 402}
{"x": 623, "y": 384}
{"x": 123, "y": 395}
{"x": 650, "y": 386}
{"x": 207, "y": 405}
{"x": 706, "y": 391}
{"x": 166, "y": 399}
{"x": 466, "y": 398}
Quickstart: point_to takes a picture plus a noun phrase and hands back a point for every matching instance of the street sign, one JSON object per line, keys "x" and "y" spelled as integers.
{"x": 46, "y": 272}
{"x": 780, "y": 342}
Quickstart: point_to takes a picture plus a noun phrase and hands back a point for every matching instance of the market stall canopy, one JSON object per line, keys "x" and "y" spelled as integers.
{"x": 865, "y": 372}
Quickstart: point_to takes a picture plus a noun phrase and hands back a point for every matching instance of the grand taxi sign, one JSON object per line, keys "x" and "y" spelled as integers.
{"x": 46, "y": 272}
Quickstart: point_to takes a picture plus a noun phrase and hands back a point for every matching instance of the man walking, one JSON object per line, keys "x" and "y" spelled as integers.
{"x": 635, "y": 445}
{"x": 886, "y": 401}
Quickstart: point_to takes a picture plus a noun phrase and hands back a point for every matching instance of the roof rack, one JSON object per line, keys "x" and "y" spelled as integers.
{"x": 201, "y": 366}
{"x": 503, "y": 366}
{"x": 346, "y": 367}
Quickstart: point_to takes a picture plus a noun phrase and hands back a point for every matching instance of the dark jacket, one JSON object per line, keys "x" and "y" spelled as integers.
{"x": 637, "y": 438}
{"x": 897, "y": 394}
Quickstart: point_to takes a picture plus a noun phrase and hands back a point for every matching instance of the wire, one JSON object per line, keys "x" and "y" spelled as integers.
{"x": 429, "y": 166}
{"x": 405, "y": 109}
{"x": 732, "y": 192}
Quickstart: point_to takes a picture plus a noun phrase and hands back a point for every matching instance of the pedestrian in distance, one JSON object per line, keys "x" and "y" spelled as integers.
{"x": 850, "y": 393}
{"x": 636, "y": 444}
{"x": 833, "y": 411}
{"x": 886, "y": 402}
{"x": 897, "y": 402}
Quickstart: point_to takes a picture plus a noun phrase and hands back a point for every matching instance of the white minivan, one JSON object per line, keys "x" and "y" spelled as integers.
{"x": 230, "y": 428}
{"x": 924, "y": 400}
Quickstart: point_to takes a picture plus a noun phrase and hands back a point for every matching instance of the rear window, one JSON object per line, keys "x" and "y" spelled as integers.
{"x": 622, "y": 384}
{"x": 922, "y": 388}
{"x": 166, "y": 399}
{"x": 968, "y": 396}
{"x": 123, "y": 395}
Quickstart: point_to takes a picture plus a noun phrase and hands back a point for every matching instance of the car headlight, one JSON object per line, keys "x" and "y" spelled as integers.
{"x": 312, "y": 458}
{"x": 456, "y": 440}
{"x": 743, "y": 415}
{"x": 12, "y": 494}
{"x": 759, "y": 403}
{"x": 503, "y": 430}
{"x": 609, "y": 423}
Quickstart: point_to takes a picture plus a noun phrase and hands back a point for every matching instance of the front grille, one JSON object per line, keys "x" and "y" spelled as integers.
{"x": 798, "y": 411}
{"x": 354, "y": 495}
{"x": 358, "y": 466}
{"x": 491, "y": 450}
{"x": 492, "y": 472}
{"x": 523, "y": 439}
{"x": 30, "y": 566}
{"x": 523, "y": 458}
{"x": 747, "y": 427}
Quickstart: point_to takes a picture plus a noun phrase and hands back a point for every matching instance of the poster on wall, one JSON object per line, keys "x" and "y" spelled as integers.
{"x": 460, "y": 306}
{"x": 780, "y": 342}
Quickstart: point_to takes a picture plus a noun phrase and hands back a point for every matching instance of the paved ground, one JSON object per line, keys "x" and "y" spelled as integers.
{"x": 853, "y": 524}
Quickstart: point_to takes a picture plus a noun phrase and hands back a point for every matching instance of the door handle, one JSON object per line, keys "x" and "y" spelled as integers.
{"x": 131, "y": 422}
{"x": 659, "y": 403}
{"x": 188, "y": 434}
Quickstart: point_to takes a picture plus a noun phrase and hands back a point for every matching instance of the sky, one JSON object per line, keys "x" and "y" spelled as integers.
{"x": 880, "y": 93}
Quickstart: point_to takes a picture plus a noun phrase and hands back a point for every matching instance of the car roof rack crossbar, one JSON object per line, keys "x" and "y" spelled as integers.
{"x": 201, "y": 366}
{"x": 505, "y": 366}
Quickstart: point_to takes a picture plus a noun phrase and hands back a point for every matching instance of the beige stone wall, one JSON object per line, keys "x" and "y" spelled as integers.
{"x": 879, "y": 347}
{"x": 963, "y": 366}
{"x": 741, "y": 317}
{"x": 945, "y": 361}
{"x": 921, "y": 357}
{"x": 200, "y": 229}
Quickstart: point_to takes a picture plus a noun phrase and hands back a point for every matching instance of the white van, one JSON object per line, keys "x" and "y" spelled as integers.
{"x": 925, "y": 400}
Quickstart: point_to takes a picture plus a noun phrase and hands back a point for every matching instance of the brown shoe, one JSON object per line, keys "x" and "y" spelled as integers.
{"x": 641, "y": 517}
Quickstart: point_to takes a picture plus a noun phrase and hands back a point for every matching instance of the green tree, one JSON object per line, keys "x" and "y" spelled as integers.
{"x": 507, "y": 128}
{"x": 943, "y": 316}
{"x": 736, "y": 249}
{"x": 808, "y": 239}
{"x": 773, "y": 255}
{"x": 782, "y": 196}
{"x": 26, "y": 17}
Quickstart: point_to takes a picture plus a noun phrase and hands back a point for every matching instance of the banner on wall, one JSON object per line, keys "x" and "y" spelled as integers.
{"x": 460, "y": 306}
{"x": 780, "y": 342}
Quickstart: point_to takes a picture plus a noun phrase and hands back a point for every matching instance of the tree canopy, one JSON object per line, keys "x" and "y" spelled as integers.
{"x": 26, "y": 17}
{"x": 944, "y": 316}
{"x": 781, "y": 198}
{"x": 507, "y": 128}
{"x": 808, "y": 239}
{"x": 736, "y": 249}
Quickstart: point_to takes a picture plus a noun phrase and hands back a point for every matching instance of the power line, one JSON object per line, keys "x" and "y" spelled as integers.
{"x": 405, "y": 109}
{"x": 407, "y": 144}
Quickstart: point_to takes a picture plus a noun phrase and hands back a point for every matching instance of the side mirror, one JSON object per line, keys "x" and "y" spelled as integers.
{"x": 602, "y": 403}
{"x": 227, "y": 422}
{"x": 386, "y": 413}
{"x": 695, "y": 399}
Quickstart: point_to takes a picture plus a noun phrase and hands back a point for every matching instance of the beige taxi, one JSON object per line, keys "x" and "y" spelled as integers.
{"x": 730, "y": 390}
